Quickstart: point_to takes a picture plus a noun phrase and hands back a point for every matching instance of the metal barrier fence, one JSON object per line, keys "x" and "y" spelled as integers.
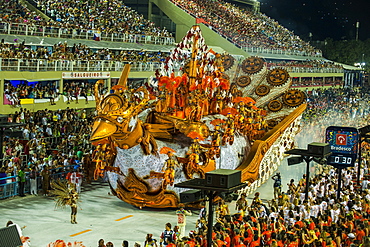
{"x": 13, "y": 64}
{"x": 11, "y": 187}
{"x": 67, "y": 33}
{"x": 294, "y": 52}
{"x": 296, "y": 69}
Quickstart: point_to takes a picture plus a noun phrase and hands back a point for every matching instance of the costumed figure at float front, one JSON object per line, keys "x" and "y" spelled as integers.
{"x": 228, "y": 136}
{"x": 216, "y": 137}
{"x": 193, "y": 155}
{"x": 66, "y": 195}
{"x": 103, "y": 157}
{"x": 244, "y": 113}
{"x": 98, "y": 158}
{"x": 169, "y": 168}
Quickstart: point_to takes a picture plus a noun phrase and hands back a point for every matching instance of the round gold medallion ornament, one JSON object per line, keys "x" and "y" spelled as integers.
{"x": 243, "y": 81}
{"x": 275, "y": 105}
{"x": 272, "y": 123}
{"x": 252, "y": 65}
{"x": 228, "y": 62}
{"x": 277, "y": 77}
{"x": 262, "y": 90}
{"x": 294, "y": 97}
{"x": 225, "y": 76}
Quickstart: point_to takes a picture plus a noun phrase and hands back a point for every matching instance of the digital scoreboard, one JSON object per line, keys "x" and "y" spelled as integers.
{"x": 344, "y": 144}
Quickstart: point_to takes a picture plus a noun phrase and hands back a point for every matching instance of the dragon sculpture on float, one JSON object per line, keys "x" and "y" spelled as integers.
{"x": 149, "y": 138}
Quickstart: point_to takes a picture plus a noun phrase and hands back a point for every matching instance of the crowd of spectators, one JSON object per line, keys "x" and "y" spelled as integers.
{"x": 51, "y": 142}
{"x": 107, "y": 16}
{"x": 61, "y": 51}
{"x": 243, "y": 27}
{"x": 333, "y": 106}
{"x": 12, "y": 11}
{"x": 246, "y": 28}
{"x": 76, "y": 16}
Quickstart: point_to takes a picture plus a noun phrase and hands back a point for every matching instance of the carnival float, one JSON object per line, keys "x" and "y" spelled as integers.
{"x": 202, "y": 112}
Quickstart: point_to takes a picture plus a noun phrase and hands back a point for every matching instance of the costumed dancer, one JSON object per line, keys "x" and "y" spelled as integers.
{"x": 181, "y": 219}
{"x": 66, "y": 195}
{"x": 170, "y": 165}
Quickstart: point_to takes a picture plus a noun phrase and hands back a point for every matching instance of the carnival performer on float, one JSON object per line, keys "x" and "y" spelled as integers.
{"x": 170, "y": 165}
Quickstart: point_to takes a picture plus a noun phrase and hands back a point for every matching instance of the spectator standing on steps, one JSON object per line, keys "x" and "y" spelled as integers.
{"x": 277, "y": 184}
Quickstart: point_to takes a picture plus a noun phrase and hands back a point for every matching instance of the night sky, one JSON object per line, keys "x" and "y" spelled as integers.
{"x": 334, "y": 19}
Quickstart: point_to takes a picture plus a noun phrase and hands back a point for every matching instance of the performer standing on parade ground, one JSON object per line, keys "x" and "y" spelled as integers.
{"x": 181, "y": 219}
{"x": 66, "y": 195}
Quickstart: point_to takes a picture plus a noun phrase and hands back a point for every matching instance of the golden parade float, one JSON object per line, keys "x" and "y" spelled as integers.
{"x": 204, "y": 111}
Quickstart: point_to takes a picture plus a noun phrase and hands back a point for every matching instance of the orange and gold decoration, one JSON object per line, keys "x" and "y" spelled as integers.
{"x": 196, "y": 119}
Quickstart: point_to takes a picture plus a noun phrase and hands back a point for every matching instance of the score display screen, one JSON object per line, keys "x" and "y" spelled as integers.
{"x": 344, "y": 144}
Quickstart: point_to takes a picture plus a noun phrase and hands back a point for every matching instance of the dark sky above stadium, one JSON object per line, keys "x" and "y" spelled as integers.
{"x": 334, "y": 19}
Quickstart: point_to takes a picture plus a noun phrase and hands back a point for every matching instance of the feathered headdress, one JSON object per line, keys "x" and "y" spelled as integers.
{"x": 63, "y": 190}
{"x": 217, "y": 121}
{"x": 166, "y": 150}
{"x": 195, "y": 135}
{"x": 228, "y": 111}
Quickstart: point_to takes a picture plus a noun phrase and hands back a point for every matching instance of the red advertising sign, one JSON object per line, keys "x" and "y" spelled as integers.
{"x": 341, "y": 139}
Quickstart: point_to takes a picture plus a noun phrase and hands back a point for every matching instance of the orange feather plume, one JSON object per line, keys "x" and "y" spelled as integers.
{"x": 166, "y": 150}
{"x": 163, "y": 81}
{"x": 195, "y": 135}
{"x": 229, "y": 110}
{"x": 118, "y": 87}
{"x": 177, "y": 81}
{"x": 263, "y": 113}
{"x": 249, "y": 99}
{"x": 185, "y": 78}
{"x": 217, "y": 121}
{"x": 224, "y": 84}
{"x": 239, "y": 99}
